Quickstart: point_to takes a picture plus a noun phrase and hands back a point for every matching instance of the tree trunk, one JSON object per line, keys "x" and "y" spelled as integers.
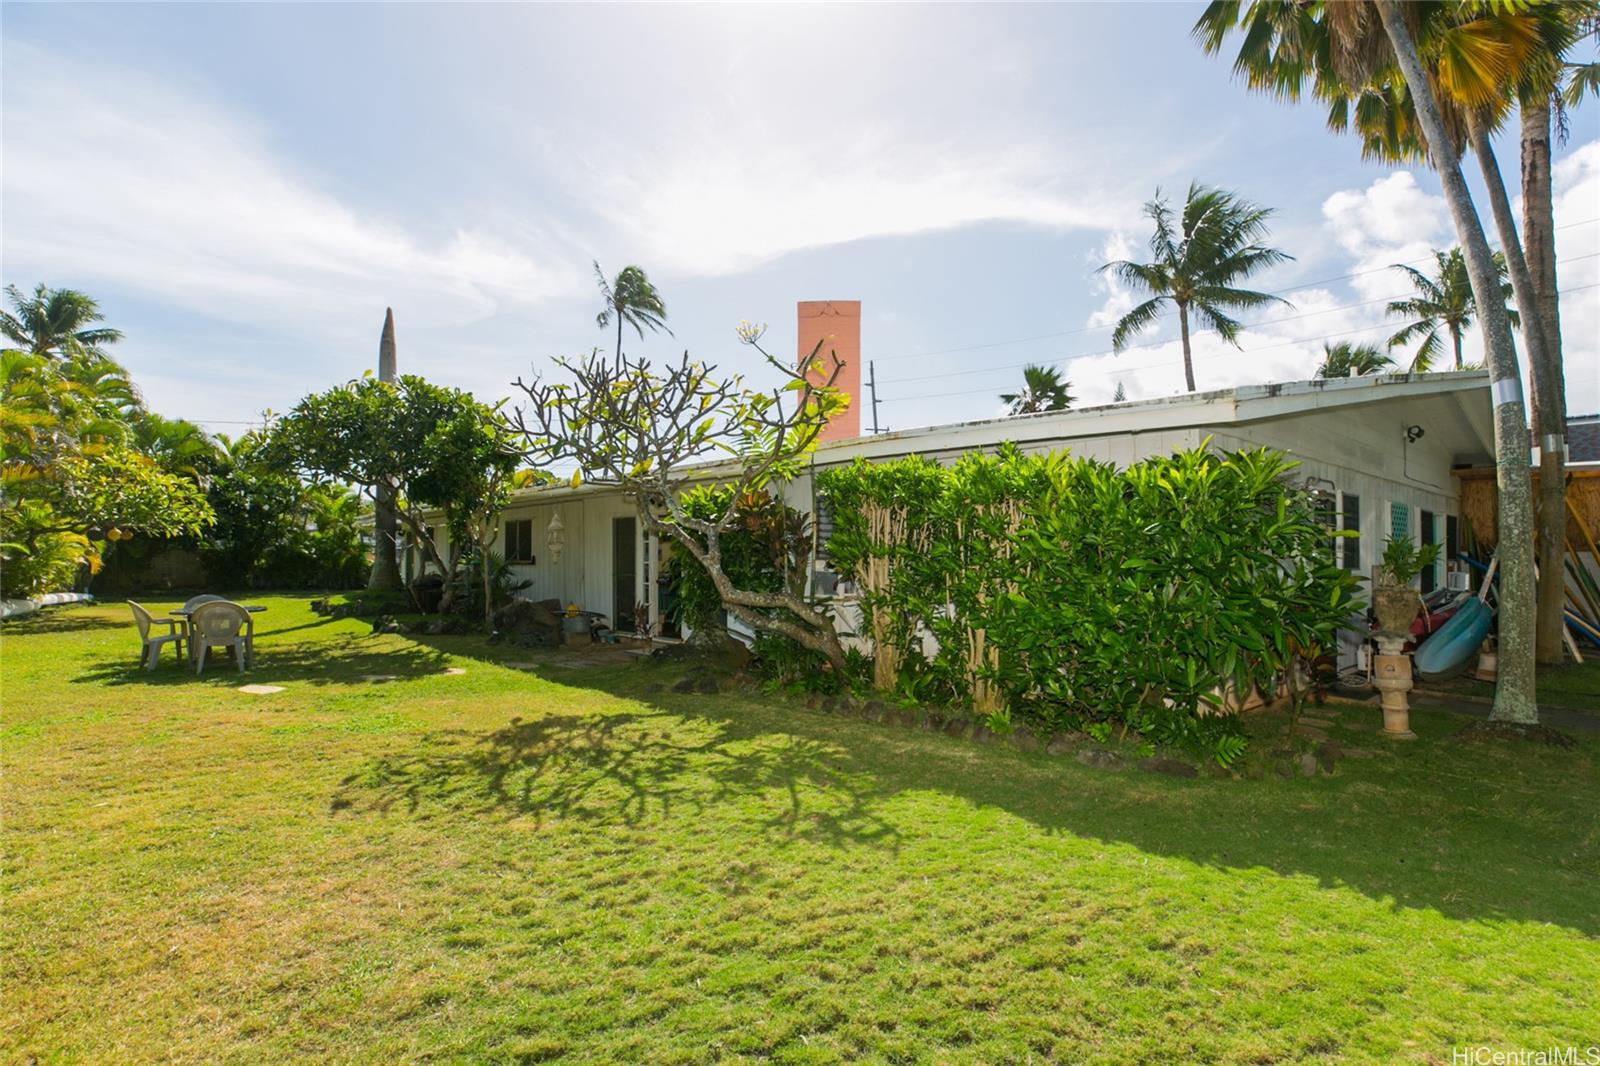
{"x": 1183, "y": 332}
{"x": 1549, "y": 388}
{"x": 1548, "y": 620}
{"x": 385, "y": 556}
{"x": 1514, "y": 693}
{"x": 1455, "y": 339}
{"x": 488, "y": 604}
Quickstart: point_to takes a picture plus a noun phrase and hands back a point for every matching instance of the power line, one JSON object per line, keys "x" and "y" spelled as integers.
{"x": 1214, "y": 355}
{"x": 1163, "y": 343}
{"x": 1091, "y": 329}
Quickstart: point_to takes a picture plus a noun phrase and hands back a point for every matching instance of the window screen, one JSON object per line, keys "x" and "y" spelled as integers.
{"x": 519, "y": 541}
{"x": 1351, "y": 508}
{"x": 1428, "y": 534}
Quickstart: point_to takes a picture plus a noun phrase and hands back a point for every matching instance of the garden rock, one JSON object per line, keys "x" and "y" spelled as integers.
{"x": 1061, "y": 743}
{"x": 983, "y": 734}
{"x": 1328, "y": 755}
{"x": 685, "y": 684}
{"x": 1023, "y": 739}
{"x": 1099, "y": 757}
{"x": 529, "y": 623}
{"x": 957, "y": 727}
{"x": 1307, "y": 765}
{"x": 1170, "y": 767}
{"x": 706, "y": 685}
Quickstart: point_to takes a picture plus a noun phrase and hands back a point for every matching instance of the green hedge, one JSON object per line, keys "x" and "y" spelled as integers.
{"x": 1076, "y": 595}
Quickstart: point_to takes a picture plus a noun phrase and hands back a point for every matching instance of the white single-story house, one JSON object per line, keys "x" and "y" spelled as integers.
{"x": 1379, "y": 449}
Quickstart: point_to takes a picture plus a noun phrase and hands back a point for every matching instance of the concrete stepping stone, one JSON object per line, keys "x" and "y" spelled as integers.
{"x": 455, "y": 671}
{"x": 260, "y": 690}
{"x": 379, "y": 679}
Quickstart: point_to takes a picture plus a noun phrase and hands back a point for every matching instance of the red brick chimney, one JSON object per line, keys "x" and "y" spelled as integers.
{"x": 837, "y": 324}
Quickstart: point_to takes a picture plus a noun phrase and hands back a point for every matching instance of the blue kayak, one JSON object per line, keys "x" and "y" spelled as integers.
{"x": 1454, "y": 646}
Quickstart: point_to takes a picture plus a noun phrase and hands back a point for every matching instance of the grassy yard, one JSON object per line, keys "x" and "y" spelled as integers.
{"x": 1568, "y": 686}
{"x": 518, "y": 865}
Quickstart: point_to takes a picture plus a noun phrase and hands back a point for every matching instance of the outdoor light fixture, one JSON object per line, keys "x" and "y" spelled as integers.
{"x": 555, "y": 537}
{"x": 1413, "y": 434}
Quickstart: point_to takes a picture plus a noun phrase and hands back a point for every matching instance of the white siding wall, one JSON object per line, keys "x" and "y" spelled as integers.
{"x": 1360, "y": 451}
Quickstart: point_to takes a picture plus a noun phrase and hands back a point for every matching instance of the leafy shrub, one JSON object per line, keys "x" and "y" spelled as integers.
{"x": 765, "y": 550}
{"x": 1074, "y": 594}
{"x": 503, "y": 585}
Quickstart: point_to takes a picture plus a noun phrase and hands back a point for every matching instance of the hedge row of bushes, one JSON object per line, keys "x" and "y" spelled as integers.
{"x": 1081, "y": 596}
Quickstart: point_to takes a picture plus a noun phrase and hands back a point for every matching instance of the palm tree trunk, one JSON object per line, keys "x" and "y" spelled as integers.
{"x": 1514, "y": 694}
{"x": 1183, "y": 331}
{"x": 1455, "y": 339}
{"x": 619, "y": 336}
{"x": 1549, "y": 389}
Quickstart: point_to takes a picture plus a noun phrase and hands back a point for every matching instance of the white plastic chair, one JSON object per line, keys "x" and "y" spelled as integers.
{"x": 150, "y": 646}
{"x": 221, "y": 624}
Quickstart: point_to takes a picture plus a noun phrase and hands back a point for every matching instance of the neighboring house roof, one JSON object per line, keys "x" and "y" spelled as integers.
{"x": 1459, "y": 399}
{"x": 1583, "y": 438}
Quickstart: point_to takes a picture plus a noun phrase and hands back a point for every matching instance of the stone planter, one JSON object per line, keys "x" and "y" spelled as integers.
{"x": 1395, "y": 607}
{"x": 1392, "y": 679}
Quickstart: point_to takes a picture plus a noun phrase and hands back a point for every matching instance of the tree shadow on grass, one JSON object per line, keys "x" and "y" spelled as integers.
{"x": 1472, "y": 831}
{"x": 627, "y": 769}
{"x": 61, "y": 620}
{"x": 352, "y": 661}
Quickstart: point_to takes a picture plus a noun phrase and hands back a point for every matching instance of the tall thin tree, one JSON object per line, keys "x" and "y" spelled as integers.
{"x": 631, "y": 300}
{"x": 1514, "y": 699}
{"x": 1042, "y": 390}
{"x": 58, "y": 323}
{"x": 1443, "y": 307}
{"x": 1196, "y": 259}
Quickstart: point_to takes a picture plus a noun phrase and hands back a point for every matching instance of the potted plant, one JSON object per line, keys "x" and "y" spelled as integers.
{"x": 1394, "y": 601}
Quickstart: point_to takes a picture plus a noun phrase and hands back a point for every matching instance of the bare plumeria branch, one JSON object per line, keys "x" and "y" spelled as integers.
{"x": 653, "y": 432}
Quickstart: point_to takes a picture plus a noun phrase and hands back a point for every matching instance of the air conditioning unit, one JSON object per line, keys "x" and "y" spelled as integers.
{"x": 1458, "y": 581}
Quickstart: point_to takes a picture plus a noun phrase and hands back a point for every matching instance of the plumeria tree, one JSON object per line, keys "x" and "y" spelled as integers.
{"x": 656, "y": 430}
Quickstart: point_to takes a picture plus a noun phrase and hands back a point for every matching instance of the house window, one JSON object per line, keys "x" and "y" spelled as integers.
{"x": 1322, "y": 507}
{"x": 519, "y": 540}
{"x": 1399, "y": 521}
{"x": 1428, "y": 534}
{"x": 1350, "y": 506}
{"x": 823, "y": 520}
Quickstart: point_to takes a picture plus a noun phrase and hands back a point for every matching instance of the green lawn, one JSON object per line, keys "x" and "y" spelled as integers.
{"x": 1568, "y": 686}
{"x": 504, "y": 865}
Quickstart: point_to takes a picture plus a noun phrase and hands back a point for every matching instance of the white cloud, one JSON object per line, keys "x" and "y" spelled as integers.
{"x": 113, "y": 176}
{"x": 1576, "y": 181}
{"x": 1119, "y": 299}
{"x": 711, "y": 204}
{"x": 1391, "y": 221}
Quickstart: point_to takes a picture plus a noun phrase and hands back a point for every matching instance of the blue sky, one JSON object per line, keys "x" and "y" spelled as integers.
{"x": 245, "y": 188}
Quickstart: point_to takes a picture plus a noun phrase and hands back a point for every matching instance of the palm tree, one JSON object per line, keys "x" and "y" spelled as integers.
{"x": 630, "y": 300}
{"x": 1042, "y": 390}
{"x": 1343, "y": 50}
{"x": 1196, "y": 259}
{"x": 180, "y": 447}
{"x": 1444, "y": 302}
{"x": 1346, "y": 360}
{"x": 56, "y": 322}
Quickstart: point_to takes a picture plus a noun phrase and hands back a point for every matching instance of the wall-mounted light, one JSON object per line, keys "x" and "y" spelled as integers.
{"x": 555, "y": 537}
{"x": 1413, "y": 434}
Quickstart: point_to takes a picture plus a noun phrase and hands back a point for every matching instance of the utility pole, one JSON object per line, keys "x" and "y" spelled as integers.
{"x": 872, "y": 388}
